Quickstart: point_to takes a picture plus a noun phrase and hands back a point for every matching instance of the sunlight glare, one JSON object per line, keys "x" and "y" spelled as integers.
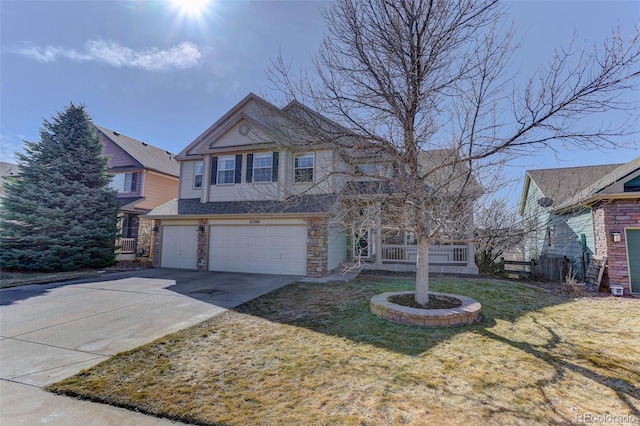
{"x": 191, "y": 8}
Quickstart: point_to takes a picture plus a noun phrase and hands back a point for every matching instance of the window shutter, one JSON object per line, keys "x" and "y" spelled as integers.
{"x": 274, "y": 167}
{"x": 134, "y": 178}
{"x": 249, "y": 167}
{"x": 214, "y": 170}
{"x": 238, "y": 177}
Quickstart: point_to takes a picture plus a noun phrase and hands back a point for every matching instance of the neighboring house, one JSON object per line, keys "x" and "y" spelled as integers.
{"x": 246, "y": 204}
{"x": 145, "y": 177}
{"x": 579, "y": 212}
{"x": 7, "y": 171}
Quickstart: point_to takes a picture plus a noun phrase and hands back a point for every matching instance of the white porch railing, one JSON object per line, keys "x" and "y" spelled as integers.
{"x": 437, "y": 254}
{"x": 127, "y": 245}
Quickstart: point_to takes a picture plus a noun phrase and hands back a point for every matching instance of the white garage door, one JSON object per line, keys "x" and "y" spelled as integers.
{"x": 179, "y": 247}
{"x": 259, "y": 249}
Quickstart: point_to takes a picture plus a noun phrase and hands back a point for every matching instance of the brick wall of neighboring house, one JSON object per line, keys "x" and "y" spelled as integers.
{"x": 317, "y": 247}
{"x": 144, "y": 237}
{"x": 203, "y": 246}
{"x": 610, "y": 217}
{"x": 155, "y": 259}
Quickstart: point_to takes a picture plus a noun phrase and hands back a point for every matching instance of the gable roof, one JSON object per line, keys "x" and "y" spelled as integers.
{"x": 151, "y": 157}
{"x": 230, "y": 118}
{"x": 600, "y": 185}
{"x": 9, "y": 169}
{"x": 571, "y": 186}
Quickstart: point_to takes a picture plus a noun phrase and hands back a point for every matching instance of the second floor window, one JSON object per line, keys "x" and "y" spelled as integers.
{"x": 197, "y": 174}
{"x": 124, "y": 182}
{"x": 262, "y": 167}
{"x": 226, "y": 169}
{"x": 303, "y": 168}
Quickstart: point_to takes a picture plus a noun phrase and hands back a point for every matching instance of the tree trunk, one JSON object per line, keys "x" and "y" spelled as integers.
{"x": 422, "y": 272}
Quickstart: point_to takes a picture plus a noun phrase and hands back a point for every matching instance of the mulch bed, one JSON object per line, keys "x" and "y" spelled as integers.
{"x": 435, "y": 302}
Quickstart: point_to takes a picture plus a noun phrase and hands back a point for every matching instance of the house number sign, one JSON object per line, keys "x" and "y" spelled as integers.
{"x": 254, "y": 221}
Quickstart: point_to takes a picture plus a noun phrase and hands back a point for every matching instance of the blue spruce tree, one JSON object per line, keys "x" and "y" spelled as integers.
{"x": 61, "y": 214}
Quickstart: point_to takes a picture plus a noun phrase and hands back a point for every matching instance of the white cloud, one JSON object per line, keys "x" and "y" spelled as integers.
{"x": 181, "y": 56}
{"x": 10, "y": 145}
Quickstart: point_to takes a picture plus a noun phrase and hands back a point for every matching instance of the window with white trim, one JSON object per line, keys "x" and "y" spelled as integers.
{"x": 262, "y": 167}
{"x": 303, "y": 168}
{"x": 124, "y": 182}
{"x": 198, "y": 169}
{"x": 226, "y": 169}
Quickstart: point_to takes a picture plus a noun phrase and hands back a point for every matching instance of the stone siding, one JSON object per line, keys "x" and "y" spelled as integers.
{"x": 317, "y": 247}
{"x": 203, "y": 245}
{"x": 610, "y": 217}
{"x": 144, "y": 238}
{"x": 155, "y": 243}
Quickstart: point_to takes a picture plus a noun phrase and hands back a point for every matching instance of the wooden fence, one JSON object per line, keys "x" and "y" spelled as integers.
{"x": 516, "y": 267}
{"x": 551, "y": 268}
{"x": 547, "y": 268}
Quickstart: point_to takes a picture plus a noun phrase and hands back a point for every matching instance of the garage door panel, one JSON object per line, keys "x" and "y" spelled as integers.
{"x": 179, "y": 247}
{"x": 259, "y": 249}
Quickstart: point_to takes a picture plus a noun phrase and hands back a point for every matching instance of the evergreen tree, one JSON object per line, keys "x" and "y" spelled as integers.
{"x": 61, "y": 214}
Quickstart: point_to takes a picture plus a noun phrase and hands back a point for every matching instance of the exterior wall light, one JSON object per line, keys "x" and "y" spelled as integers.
{"x": 155, "y": 229}
{"x": 201, "y": 229}
{"x": 616, "y": 237}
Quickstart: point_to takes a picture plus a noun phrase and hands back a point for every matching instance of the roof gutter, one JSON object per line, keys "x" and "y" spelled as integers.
{"x": 238, "y": 215}
{"x": 588, "y": 202}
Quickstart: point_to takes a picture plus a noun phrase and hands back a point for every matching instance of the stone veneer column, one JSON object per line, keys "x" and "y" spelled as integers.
{"x": 144, "y": 237}
{"x": 203, "y": 246}
{"x": 155, "y": 243}
{"x": 317, "y": 247}
{"x": 610, "y": 217}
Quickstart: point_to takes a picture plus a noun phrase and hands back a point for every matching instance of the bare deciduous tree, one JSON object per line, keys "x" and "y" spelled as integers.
{"x": 421, "y": 87}
{"x": 498, "y": 230}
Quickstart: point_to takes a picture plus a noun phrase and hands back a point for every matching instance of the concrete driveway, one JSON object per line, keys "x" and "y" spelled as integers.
{"x": 49, "y": 332}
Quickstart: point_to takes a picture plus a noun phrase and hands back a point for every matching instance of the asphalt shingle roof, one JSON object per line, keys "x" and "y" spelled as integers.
{"x": 599, "y": 185}
{"x": 151, "y": 157}
{"x": 9, "y": 169}
{"x": 563, "y": 184}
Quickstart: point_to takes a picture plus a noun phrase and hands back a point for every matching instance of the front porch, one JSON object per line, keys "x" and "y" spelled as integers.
{"x": 399, "y": 252}
{"x": 126, "y": 249}
{"x": 135, "y": 237}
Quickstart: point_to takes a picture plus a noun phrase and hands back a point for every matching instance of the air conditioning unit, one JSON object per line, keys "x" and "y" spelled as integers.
{"x": 617, "y": 290}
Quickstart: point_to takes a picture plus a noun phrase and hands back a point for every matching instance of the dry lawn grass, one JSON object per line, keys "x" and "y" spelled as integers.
{"x": 313, "y": 354}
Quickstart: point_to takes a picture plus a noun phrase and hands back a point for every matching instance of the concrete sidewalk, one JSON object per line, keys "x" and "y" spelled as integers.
{"x": 49, "y": 332}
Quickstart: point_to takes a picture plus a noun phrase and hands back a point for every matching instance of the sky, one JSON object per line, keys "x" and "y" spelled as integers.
{"x": 157, "y": 73}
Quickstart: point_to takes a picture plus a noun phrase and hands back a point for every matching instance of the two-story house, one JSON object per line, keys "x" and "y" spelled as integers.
{"x": 144, "y": 177}
{"x": 249, "y": 204}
